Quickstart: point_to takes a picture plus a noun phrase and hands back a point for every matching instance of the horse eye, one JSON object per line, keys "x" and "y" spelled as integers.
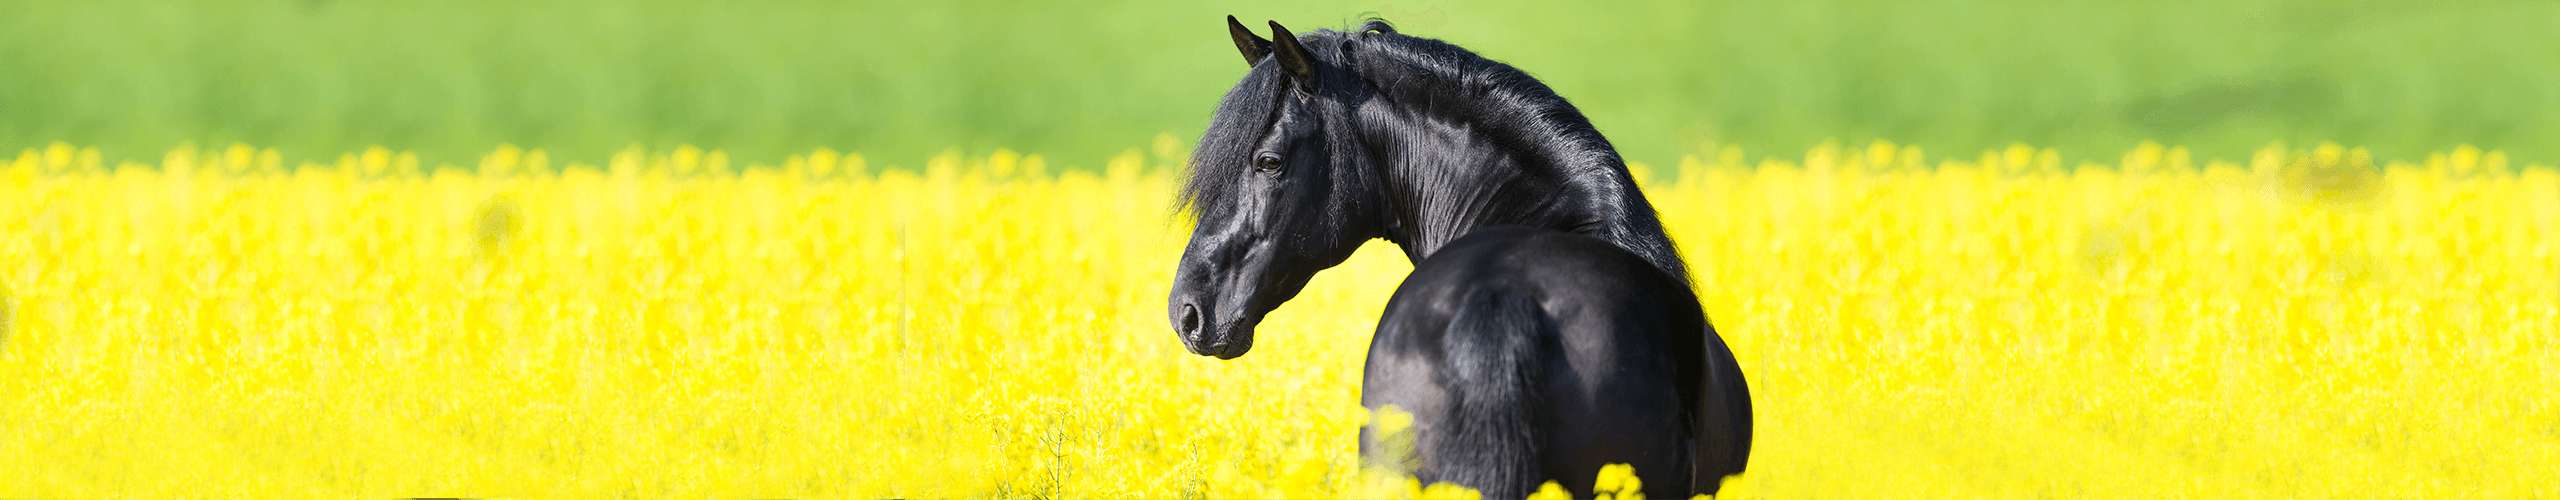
{"x": 1266, "y": 163}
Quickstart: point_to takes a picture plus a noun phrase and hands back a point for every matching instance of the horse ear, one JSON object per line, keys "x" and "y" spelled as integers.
{"x": 1252, "y": 46}
{"x": 1293, "y": 56}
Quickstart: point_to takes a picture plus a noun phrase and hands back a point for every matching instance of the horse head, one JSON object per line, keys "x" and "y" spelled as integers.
{"x": 1278, "y": 187}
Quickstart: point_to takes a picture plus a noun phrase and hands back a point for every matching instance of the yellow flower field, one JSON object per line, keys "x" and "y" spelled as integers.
{"x": 225, "y": 324}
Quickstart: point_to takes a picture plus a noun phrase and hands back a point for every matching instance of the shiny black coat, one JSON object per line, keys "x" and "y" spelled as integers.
{"x": 1526, "y": 355}
{"x": 1332, "y": 139}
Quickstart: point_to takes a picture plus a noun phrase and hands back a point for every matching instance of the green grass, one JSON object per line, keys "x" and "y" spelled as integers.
{"x": 1081, "y": 80}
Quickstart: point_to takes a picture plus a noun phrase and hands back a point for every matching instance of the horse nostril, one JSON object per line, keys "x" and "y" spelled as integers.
{"x": 1191, "y": 322}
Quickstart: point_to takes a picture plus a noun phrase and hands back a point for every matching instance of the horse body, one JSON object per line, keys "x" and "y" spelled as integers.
{"x": 1525, "y": 355}
{"x": 1578, "y": 339}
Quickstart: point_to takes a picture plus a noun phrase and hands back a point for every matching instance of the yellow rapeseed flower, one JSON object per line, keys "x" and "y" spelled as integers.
{"x": 2297, "y": 323}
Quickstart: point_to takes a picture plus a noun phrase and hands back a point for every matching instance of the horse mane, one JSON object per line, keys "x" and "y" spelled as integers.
{"x": 1436, "y": 78}
{"x": 1519, "y": 113}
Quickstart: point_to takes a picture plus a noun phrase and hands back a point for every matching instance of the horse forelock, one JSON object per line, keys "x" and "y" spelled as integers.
{"x": 1243, "y": 115}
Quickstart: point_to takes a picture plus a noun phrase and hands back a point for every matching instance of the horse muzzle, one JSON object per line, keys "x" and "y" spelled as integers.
{"x": 1204, "y": 335}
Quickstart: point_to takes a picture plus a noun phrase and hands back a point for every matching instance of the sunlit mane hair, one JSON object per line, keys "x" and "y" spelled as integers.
{"x": 1545, "y": 138}
{"x": 1424, "y": 75}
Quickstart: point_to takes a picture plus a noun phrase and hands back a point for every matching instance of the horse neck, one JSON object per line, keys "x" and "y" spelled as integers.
{"x": 1439, "y": 180}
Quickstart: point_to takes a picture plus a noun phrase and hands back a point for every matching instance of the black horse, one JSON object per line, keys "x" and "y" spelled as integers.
{"x": 1525, "y": 354}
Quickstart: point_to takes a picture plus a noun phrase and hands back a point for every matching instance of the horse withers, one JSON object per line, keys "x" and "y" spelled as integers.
{"x": 1332, "y": 139}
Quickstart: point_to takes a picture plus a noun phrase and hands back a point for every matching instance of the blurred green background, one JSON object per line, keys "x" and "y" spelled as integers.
{"x": 1082, "y": 80}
